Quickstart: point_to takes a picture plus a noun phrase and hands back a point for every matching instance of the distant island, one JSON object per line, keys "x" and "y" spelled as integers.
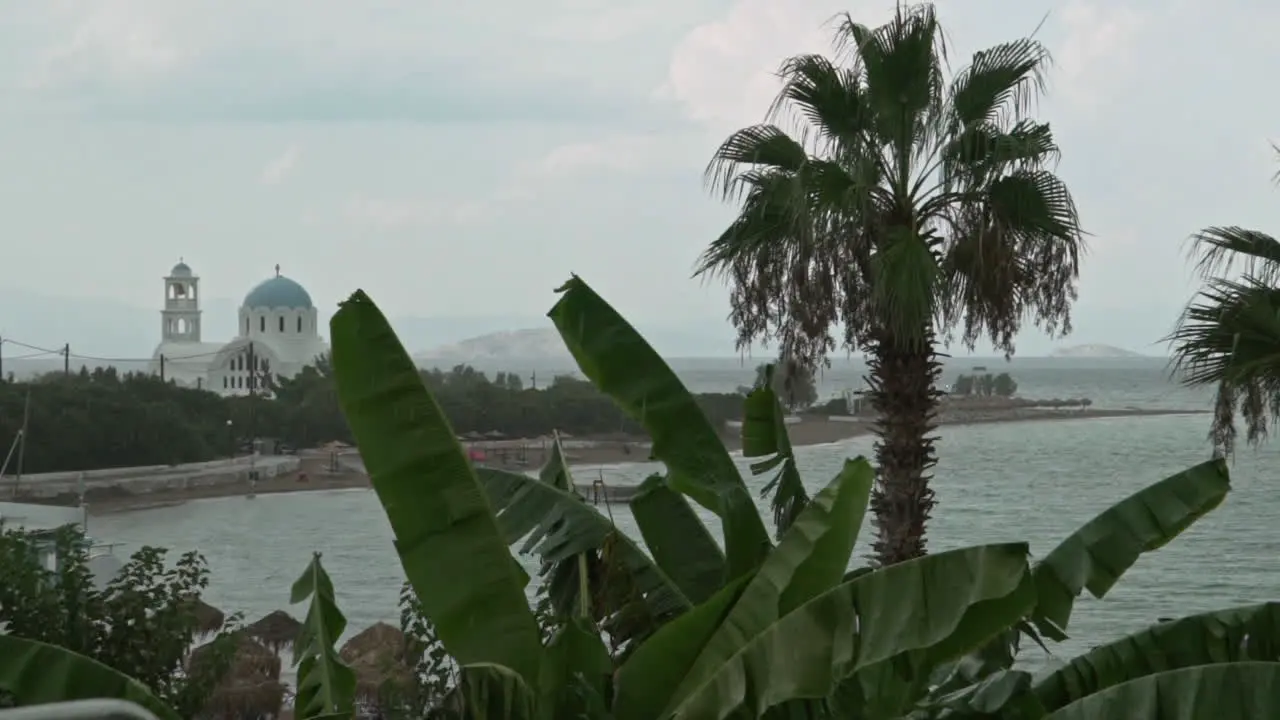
{"x": 528, "y": 344}
{"x": 1094, "y": 351}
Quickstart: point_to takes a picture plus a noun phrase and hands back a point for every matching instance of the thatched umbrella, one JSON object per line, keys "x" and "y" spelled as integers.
{"x": 378, "y": 656}
{"x": 208, "y": 618}
{"x": 278, "y": 629}
{"x": 495, "y": 435}
{"x": 250, "y": 661}
{"x": 246, "y": 698}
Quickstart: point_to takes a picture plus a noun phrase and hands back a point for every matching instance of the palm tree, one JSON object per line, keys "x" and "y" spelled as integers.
{"x": 908, "y": 207}
{"x": 1229, "y": 334}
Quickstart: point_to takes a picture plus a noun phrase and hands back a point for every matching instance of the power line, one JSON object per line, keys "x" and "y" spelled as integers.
{"x": 38, "y": 351}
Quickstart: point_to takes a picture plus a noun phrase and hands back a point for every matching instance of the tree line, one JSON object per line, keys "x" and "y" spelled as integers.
{"x": 102, "y": 418}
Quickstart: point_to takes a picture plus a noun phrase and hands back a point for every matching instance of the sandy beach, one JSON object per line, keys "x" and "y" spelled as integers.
{"x": 315, "y": 475}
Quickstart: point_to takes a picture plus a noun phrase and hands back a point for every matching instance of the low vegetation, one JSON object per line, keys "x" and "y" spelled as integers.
{"x": 98, "y": 419}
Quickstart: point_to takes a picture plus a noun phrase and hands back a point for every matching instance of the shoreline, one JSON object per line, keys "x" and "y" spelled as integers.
{"x": 529, "y": 455}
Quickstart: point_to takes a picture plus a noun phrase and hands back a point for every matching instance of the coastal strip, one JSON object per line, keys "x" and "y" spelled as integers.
{"x": 316, "y": 474}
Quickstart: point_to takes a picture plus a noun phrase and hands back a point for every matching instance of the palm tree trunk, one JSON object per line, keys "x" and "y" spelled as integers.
{"x": 903, "y": 391}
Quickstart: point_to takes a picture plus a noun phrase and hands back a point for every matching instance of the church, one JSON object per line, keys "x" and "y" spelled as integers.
{"x": 278, "y": 335}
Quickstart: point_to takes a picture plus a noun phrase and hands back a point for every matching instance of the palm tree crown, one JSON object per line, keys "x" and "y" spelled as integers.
{"x": 906, "y": 206}
{"x": 1229, "y": 335}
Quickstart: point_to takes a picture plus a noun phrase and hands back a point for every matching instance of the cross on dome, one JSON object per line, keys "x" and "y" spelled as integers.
{"x": 277, "y": 269}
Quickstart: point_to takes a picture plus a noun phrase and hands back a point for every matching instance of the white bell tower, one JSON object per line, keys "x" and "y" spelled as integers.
{"x": 181, "y": 315}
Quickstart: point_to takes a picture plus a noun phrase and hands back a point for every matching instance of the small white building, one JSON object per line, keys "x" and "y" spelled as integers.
{"x": 278, "y": 334}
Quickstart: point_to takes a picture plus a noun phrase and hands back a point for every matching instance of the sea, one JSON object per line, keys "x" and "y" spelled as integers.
{"x": 1025, "y": 481}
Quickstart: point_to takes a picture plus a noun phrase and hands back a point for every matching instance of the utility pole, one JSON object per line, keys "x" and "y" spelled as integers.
{"x": 22, "y": 443}
{"x": 1, "y": 359}
{"x": 66, "y": 359}
{"x": 162, "y": 368}
{"x": 253, "y": 433}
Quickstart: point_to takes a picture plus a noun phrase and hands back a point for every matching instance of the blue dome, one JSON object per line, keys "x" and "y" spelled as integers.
{"x": 278, "y": 292}
{"x": 180, "y": 270}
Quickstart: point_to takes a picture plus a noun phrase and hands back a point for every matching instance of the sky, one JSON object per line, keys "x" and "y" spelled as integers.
{"x": 465, "y": 158}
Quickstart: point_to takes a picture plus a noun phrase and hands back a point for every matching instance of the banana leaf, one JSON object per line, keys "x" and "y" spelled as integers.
{"x": 1229, "y": 691}
{"x": 1248, "y": 633}
{"x": 326, "y": 686}
{"x": 646, "y": 679}
{"x": 575, "y": 673}
{"x": 679, "y": 541}
{"x": 938, "y": 606}
{"x": 623, "y": 366}
{"x": 491, "y": 692}
{"x": 811, "y": 558}
{"x": 764, "y": 434}
{"x": 35, "y": 673}
{"x": 1095, "y": 556}
{"x": 557, "y": 525}
{"x": 453, "y": 553}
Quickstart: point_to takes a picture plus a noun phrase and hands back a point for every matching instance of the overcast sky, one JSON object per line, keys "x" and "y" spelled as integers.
{"x": 456, "y": 158}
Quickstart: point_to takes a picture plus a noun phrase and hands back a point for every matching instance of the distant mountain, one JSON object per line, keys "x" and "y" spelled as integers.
{"x": 1094, "y": 351}
{"x": 528, "y": 344}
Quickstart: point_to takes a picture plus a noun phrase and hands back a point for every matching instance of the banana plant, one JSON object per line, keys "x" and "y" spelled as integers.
{"x": 326, "y": 686}
{"x": 618, "y": 361}
{"x": 1092, "y": 558}
{"x": 34, "y": 673}
{"x": 797, "y": 609}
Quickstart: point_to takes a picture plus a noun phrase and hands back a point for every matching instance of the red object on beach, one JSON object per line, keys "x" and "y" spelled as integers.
{"x": 477, "y": 455}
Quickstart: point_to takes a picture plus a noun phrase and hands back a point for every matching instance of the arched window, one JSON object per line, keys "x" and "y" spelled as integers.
{"x": 262, "y": 323}
{"x": 281, "y": 323}
{"x": 224, "y": 382}
{"x": 246, "y": 324}
{"x": 299, "y": 323}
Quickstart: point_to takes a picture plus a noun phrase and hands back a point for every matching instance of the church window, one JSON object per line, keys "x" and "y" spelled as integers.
{"x": 224, "y": 382}
{"x": 281, "y": 323}
{"x": 299, "y": 323}
{"x": 262, "y": 323}
{"x": 246, "y": 326}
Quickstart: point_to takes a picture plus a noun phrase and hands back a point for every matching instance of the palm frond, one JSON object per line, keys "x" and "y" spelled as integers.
{"x": 830, "y": 98}
{"x": 1229, "y": 338}
{"x": 1012, "y": 256}
{"x": 765, "y": 145}
{"x": 1218, "y": 250}
{"x": 999, "y": 83}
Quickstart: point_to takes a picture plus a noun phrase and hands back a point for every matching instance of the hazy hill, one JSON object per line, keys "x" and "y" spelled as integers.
{"x": 1094, "y": 351}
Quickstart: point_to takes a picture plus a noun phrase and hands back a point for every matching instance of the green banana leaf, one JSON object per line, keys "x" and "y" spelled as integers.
{"x": 558, "y": 526}
{"x": 622, "y": 365}
{"x": 35, "y": 673}
{"x": 811, "y": 558}
{"x": 1229, "y": 691}
{"x": 1251, "y": 632}
{"x": 764, "y": 434}
{"x": 645, "y": 681}
{"x": 486, "y": 691}
{"x": 1095, "y": 556}
{"x": 326, "y": 686}
{"x": 679, "y": 541}
{"x": 448, "y": 541}
{"x": 575, "y": 673}
{"x": 938, "y": 606}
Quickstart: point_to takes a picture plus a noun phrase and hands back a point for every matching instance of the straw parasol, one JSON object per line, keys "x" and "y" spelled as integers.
{"x": 246, "y": 698}
{"x": 208, "y": 618}
{"x": 278, "y": 629}
{"x": 377, "y": 655}
{"x": 495, "y": 435}
{"x": 250, "y": 661}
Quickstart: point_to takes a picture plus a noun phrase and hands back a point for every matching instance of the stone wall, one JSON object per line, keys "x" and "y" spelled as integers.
{"x": 148, "y": 479}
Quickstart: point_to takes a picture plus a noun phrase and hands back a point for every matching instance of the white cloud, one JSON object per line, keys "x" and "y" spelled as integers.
{"x": 275, "y": 172}
{"x": 724, "y": 72}
{"x": 620, "y": 153}
{"x": 1099, "y": 40}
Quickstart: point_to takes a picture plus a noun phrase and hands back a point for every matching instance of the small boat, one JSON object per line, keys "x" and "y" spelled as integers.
{"x": 979, "y": 368}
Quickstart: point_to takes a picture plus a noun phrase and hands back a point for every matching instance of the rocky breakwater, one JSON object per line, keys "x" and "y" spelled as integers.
{"x": 114, "y": 483}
